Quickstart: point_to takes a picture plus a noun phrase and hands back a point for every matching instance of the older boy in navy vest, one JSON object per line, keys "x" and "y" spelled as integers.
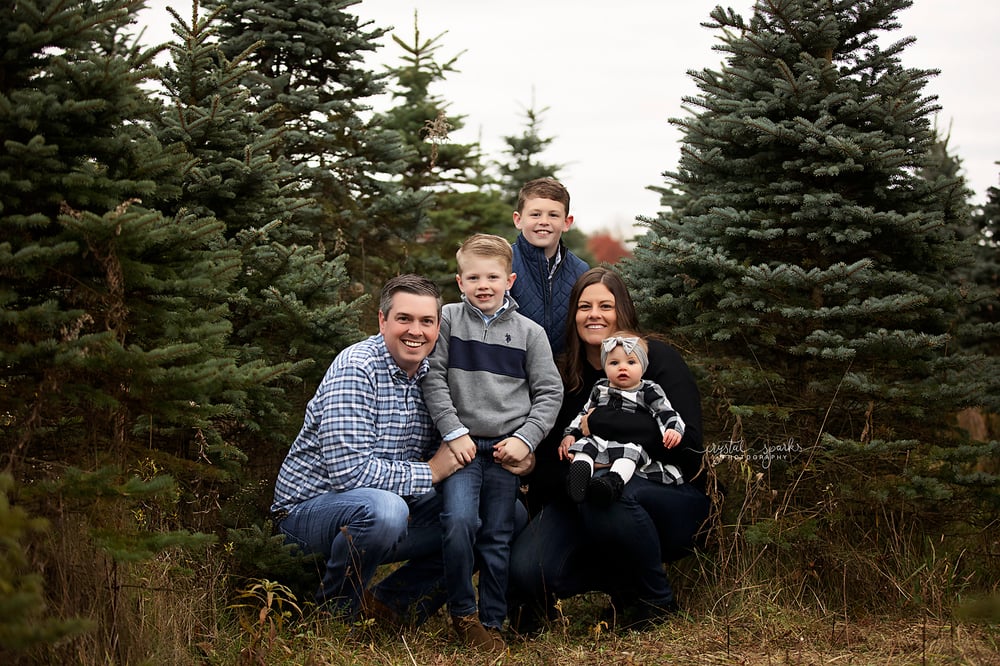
{"x": 546, "y": 269}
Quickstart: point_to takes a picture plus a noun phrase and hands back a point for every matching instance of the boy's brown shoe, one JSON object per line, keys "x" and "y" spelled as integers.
{"x": 499, "y": 644}
{"x": 472, "y": 633}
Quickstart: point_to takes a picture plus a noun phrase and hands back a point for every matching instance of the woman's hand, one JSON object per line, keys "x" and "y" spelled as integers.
{"x": 584, "y": 427}
{"x": 564, "y": 445}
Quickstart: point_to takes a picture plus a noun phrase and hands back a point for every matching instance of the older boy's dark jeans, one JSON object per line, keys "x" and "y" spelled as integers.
{"x": 569, "y": 549}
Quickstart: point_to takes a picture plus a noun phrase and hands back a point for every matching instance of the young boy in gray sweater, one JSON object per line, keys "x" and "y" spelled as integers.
{"x": 493, "y": 391}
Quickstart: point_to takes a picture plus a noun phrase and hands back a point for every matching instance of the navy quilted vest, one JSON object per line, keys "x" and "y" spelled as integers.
{"x": 541, "y": 300}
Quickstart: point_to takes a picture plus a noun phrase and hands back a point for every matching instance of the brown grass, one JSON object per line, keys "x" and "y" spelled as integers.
{"x": 885, "y": 593}
{"x": 749, "y": 639}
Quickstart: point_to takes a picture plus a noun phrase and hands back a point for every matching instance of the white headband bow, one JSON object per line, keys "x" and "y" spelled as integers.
{"x": 630, "y": 345}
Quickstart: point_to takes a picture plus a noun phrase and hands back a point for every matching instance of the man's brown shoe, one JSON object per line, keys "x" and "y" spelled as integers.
{"x": 472, "y": 633}
{"x": 373, "y": 609}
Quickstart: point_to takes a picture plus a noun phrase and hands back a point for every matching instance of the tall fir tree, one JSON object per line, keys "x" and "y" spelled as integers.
{"x": 803, "y": 258}
{"x": 984, "y": 271}
{"x": 310, "y": 77}
{"x": 460, "y": 197}
{"x": 114, "y": 327}
{"x": 422, "y": 118}
{"x": 522, "y": 162}
{"x": 523, "y": 156}
{"x": 114, "y": 316}
{"x": 285, "y": 306}
{"x": 977, "y": 329}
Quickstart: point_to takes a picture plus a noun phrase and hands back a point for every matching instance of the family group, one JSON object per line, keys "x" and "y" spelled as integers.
{"x": 529, "y": 433}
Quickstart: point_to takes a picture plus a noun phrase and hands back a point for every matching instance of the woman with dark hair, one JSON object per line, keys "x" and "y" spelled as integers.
{"x": 570, "y": 548}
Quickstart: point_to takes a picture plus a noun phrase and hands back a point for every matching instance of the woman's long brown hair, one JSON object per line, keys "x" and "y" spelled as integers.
{"x": 571, "y": 364}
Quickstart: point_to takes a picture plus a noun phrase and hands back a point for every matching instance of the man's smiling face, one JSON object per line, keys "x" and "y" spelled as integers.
{"x": 410, "y": 329}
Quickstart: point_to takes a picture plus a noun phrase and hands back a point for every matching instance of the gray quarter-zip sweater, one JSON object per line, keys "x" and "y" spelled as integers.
{"x": 494, "y": 378}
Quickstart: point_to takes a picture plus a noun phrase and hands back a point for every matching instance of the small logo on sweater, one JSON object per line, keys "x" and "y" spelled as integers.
{"x": 508, "y": 338}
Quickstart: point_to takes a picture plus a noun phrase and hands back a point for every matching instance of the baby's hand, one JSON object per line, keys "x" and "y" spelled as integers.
{"x": 671, "y": 438}
{"x": 564, "y": 445}
{"x": 510, "y": 450}
{"x": 464, "y": 449}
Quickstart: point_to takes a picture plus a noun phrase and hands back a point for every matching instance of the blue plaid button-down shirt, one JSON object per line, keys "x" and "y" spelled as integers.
{"x": 366, "y": 427}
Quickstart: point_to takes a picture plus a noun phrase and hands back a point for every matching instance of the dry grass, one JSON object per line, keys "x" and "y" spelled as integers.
{"x": 775, "y": 637}
{"x": 849, "y": 594}
{"x": 738, "y": 609}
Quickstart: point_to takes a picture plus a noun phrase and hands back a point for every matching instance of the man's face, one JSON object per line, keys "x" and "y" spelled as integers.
{"x": 410, "y": 329}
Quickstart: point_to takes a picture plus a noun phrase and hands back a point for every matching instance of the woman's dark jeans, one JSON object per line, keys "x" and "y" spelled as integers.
{"x": 568, "y": 549}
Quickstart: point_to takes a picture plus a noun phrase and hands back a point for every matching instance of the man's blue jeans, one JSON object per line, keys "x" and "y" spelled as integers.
{"x": 478, "y": 522}
{"x": 360, "y": 529}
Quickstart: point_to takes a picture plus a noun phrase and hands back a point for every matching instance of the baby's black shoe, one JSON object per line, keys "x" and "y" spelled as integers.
{"x": 605, "y": 490}
{"x": 576, "y": 481}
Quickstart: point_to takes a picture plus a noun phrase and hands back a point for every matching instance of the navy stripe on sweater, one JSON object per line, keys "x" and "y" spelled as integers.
{"x": 476, "y": 356}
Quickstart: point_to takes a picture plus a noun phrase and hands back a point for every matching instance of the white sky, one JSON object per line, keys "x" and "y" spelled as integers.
{"x": 611, "y": 74}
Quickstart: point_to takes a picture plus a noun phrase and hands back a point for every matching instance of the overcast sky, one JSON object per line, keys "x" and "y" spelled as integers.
{"x": 611, "y": 74}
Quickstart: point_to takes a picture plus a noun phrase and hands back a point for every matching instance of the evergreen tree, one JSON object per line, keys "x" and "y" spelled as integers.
{"x": 941, "y": 163}
{"x": 978, "y": 327}
{"x": 459, "y": 197}
{"x": 24, "y": 623}
{"x": 523, "y": 163}
{"x": 984, "y": 271}
{"x": 421, "y": 118}
{"x": 523, "y": 153}
{"x": 308, "y": 76}
{"x": 114, "y": 331}
{"x": 114, "y": 316}
{"x": 805, "y": 259}
{"x": 284, "y": 304}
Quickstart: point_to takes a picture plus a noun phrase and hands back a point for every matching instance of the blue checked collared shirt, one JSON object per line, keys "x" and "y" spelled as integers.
{"x": 366, "y": 427}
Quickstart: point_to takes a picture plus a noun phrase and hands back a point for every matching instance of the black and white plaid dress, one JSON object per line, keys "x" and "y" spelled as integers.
{"x": 648, "y": 399}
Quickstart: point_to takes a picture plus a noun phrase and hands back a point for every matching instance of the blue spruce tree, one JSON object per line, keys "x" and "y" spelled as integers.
{"x": 806, "y": 261}
{"x": 285, "y": 304}
{"x": 309, "y": 76}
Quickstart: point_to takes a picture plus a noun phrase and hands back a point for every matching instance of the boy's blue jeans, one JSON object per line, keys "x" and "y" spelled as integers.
{"x": 478, "y": 523}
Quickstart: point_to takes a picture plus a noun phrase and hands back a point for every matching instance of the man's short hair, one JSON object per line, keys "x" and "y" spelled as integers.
{"x": 543, "y": 188}
{"x": 486, "y": 245}
{"x": 410, "y": 284}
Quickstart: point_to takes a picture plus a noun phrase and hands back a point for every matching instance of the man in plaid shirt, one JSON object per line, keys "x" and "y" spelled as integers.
{"x": 357, "y": 483}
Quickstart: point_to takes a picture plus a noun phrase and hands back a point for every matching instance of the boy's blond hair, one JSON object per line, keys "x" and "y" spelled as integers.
{"x": 543, "y": 188}
{"x": 489, "y": 246}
